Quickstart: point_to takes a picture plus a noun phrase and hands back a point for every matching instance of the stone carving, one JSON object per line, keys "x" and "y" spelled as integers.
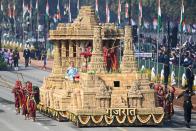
{"x": 135, "y": 95}
{"x": 98, "y": 98}
{"x": 128, "y": 60}
{"x": 97, "y": 60}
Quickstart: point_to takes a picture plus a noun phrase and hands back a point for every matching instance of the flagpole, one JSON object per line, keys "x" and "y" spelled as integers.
{"x": 139, "y": 47}
{"x": 157, "y": 53}
{"x": 31, "y": 17}
{"x": 181, "y": 34}
{"x": 70, "y": 19}
{"x": 47, "y": 23}
{"x": 37, "y": 21}
{"x": 15, "y": 16}
{"x": 139, "y": 30}
{"x": 23, "y": 23}
{"x": 158, "y": 35}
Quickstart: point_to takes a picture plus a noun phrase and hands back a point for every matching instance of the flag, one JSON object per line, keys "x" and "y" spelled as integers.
{"x": 58, "y": 11}
{"x": 182, "y": 17}
{"x": 23, "y": 9}
{"x": 30, "y": 9}
{"x": 14, "y": 11}
{"x": 2, "y": 6}
{"x": 78, "y": 5}
{"x": 107, "y": 13}
{"x": 155, "y": 23}
{"x": 47, "y": 9}
{"x": 126, "y": 10}
{"x": 159, "y": 16}
{"x": 97, "y": 9}
{"x": 36, "y": 6}
{"x": 70, "y": 19}
{"x": 140, "y": 13}
{"x": 119, "y": 11}
{"x": 66, "y": 9}
{"x": 9, "y": 11}
{"x": 55, "y": 18}
{"x": 97, "y": 6}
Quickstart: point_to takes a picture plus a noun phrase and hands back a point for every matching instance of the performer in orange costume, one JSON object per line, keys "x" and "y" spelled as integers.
{"x": 17, "y": 96}
{"x": 114, "y": 59}
{"x": 105, "y": 54}
{"x": 169, "y": 102}
{"x": 160, "y": 97}
{"x": 32, "y": 106}
{"x": 24, "y": 102}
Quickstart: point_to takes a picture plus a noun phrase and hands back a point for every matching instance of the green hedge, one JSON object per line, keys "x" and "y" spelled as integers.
{"x": 3, "y": 65}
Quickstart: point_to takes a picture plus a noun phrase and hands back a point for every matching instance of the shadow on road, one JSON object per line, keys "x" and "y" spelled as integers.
{"x": 177, "y": 120}
{"x": 6, "y": 102}
{"x": 22, "y": 69}
{"x": 1, "y": 111}
{"x": 44, "y": 120}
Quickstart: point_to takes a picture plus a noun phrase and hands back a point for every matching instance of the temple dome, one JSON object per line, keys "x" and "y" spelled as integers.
{"x": 86, "y": 18}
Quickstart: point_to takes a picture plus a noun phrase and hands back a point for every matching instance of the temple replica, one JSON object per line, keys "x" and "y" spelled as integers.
{"x": 99, "y": 98}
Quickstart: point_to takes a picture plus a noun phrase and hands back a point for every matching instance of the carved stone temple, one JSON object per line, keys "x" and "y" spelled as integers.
{"x": 99, "y": 98}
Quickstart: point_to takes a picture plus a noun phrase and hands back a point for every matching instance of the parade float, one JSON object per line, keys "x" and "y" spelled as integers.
{"x": 98, "y": 98}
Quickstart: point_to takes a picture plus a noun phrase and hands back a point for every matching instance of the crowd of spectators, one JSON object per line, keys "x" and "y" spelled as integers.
{"x": 7, "y": 56}
{"x": 183, "y": 54}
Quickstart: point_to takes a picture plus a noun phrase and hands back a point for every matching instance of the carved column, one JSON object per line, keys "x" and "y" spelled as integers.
{"x": 71, "y": 49}
{"x": 63, "y": 54}
{"x": 57, "y": 64}
{"x": 128, "y": 60}
{"x": 78, "y": 51}
{"x": 97, "y": 60}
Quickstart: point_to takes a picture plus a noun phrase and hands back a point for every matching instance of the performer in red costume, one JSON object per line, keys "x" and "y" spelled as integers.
{"x": 87, "y": 54}
{"x": 105, "y": 54}
{"x": 114, "y": 59}
{"x": 32, "y": 106}
{"x": 29, "y": 86}
{"x": 24, "y": 102}
{"x": 161, "y": 96}
{"x": 169, "y": 102}
{"x": 156, "y": 87}
{"x": 17, "y": 96}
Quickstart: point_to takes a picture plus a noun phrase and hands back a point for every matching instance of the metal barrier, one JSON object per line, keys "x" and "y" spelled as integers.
{"x": 148, "y": 64}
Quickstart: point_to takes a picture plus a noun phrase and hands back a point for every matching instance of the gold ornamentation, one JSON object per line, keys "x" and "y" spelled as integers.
{"x": 158, "y": 118}
{"x": 131, "y": 119}
{"x": 97, "y": 119}
{"x": 63, "y": 114}
{"x": 121, "y": 119}
{"x": 109, "y": 119}
{"x": 84, "y": 119}
{"x": 143, "y": 118}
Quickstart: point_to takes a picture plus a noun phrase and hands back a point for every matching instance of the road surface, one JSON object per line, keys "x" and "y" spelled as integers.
{"x": 9, "y": 121}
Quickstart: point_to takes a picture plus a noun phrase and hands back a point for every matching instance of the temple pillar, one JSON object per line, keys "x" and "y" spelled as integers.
{"x": 71, "y": 49}
{"x": 63, "y": 54}
{"x": 97, "y": 60}
{"x": 128, "y": 60}
{"x": 78, "y": 52}
{"x": 57, "y": 64}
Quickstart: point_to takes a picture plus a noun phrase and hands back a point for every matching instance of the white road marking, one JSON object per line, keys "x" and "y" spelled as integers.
{"x": 3, "y": 106}
{"x": 40, "y": 124}
{"x": 45, "y": 127}
{"x": 121, "y": 129}
{"x": 9, "y": 125}
{"x": 8, "y": 108}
